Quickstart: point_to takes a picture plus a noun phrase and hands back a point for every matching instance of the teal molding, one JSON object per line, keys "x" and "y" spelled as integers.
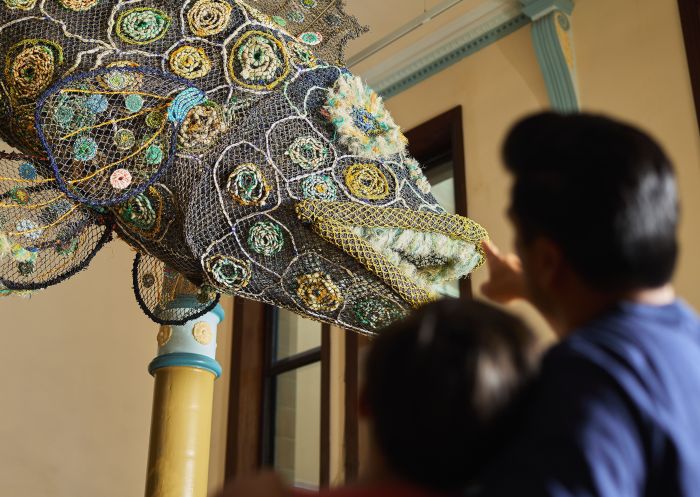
{"x": 219, "y": 311}
{"x": 536, "y": 9}
{"x": 184, "y": 302}
{"x": 551, "y": 37}
{"x": 454, "y": 56}
{"x": 191, "y": 302}
{"x": 182, "y": 359}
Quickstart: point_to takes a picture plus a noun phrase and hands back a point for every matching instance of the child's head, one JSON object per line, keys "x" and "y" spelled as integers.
{"x": 440, "y": 389}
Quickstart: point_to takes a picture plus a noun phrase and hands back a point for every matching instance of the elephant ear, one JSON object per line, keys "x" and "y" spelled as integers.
{"x": 166, "y": 296}
{"x": 323, "y": 25}
{"x": 45, "y": 237}
{"x": 111, "y": 133}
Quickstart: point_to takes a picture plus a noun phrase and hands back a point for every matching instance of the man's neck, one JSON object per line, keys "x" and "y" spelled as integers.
{"x": 654, "y": 296}
{"x": 585, "y": 308}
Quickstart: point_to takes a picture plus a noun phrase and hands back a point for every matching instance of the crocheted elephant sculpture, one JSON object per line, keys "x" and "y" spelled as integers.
{"x": 230, "y": 148}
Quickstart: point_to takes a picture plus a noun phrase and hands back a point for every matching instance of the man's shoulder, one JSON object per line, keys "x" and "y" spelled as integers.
{"x": 641, "y": 352}
{"x": 632, "y": 329}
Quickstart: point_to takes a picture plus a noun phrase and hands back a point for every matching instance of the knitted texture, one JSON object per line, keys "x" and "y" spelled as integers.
{"x": 227, "y": 145}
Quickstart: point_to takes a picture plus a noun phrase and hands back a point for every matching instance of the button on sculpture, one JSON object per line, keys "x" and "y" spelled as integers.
{"x": 229, "y": 147}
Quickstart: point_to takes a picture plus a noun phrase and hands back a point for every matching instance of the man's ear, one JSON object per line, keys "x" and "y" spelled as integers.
{"x": 547, "y": 262}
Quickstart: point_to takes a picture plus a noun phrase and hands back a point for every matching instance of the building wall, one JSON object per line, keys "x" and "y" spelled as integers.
{"x": 76, "y": 394}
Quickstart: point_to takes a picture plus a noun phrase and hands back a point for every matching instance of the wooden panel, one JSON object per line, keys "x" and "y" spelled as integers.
{"x": 690, "y": 20}
{"x": 243, "y": 454}
{"x": 325, "y": 448}
{"x": 351, "y": 441}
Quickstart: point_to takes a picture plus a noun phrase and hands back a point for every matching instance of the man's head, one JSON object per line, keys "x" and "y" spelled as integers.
{"x": 442, "y": 387}
{"x": 594, "y": 200}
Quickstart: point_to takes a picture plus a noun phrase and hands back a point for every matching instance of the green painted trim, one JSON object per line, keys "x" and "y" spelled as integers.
{"x": 184, "y": 302}
{"x": 219, "y": 311}
{"x": 184, "y": 359}
{"x": 559, "y": 78}
{"x": 456, "y": 55}
{"x": 536, "y": 9}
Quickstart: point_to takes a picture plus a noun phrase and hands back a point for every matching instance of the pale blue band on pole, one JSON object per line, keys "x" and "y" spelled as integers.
{"x": 181, "y": 359}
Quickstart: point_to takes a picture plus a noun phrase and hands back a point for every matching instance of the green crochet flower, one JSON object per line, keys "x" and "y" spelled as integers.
{"x": 84, "y": 149}
{"x": 153, "y": 155}
{"x": 229, "y": 272}
{"x": 319, "y": 187}
{"x": 139, "y": 212}
{"x": 142, "y": 25}
{"x": 376, "y": 312}
{"x": 266, "y": 238}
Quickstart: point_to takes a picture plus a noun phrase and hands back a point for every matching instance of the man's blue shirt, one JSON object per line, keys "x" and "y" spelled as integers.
{"x": 615, "y": 412}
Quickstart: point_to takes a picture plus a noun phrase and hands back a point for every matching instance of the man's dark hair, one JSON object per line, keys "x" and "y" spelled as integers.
{"x": 441, "y": 388}
{"x": 604, "y": 191}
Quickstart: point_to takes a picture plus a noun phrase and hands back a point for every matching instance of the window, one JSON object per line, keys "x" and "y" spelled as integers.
{"x": 279, "y": 395}
{"x": 293, "y": 398}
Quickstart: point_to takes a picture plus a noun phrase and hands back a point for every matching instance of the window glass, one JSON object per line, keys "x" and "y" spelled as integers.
{"x": 441, "y": 178}
{"x": 297, "y": 435}
{"x": 295, "y": 334}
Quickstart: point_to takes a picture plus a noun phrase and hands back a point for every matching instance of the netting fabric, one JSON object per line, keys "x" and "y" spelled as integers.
{"x": 166, "y": 296}
{"x": 45, "y": 237}
{"x": 226, "y": 144}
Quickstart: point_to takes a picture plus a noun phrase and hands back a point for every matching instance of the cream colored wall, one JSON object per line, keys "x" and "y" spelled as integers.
{"x": 631, "y": 63}
{"x": 75, "y": 391}
{"x": 76, "y": 395}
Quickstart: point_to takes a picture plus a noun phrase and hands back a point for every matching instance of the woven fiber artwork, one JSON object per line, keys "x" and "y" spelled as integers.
{"x": 225, "y": 142}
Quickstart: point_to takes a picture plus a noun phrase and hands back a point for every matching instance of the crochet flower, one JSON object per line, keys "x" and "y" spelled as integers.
{"x": 363, "y": 124}
{"x": 229, "y": 272}
{"x": 20, "y": 4}
{"x": 319, "y": 292}
{"x": 120, "y": 179}
{"x": 190, "y": 62}
{"x": 209, "y": 17}
{"x": 307, "y": 152}
{"x": 247, "y": 185}
{"x": 142, "y": 25}
{"x": 376, "y": 312}
{"x": 138, "y": 211}
{"x": 259, "y": 59}
{"x": 202, "y": 127}
{"x": 319, "y": 187}
{"x": 266, "y": 238}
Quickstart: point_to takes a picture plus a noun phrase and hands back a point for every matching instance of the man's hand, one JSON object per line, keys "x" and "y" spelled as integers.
{"x": 266, "y": 484}
{"x": 505, "y": 281}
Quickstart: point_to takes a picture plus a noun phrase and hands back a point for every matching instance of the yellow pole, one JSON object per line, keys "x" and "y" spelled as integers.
{"x": 184, "y": 370}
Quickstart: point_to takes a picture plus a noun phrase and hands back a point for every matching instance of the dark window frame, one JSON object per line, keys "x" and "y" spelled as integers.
{"x": 252, "y": 392}
{"x": 433, "y": 143}
{"x": 690, "y": 20}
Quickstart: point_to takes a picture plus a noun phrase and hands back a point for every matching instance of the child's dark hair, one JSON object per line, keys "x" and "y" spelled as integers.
{"x": 441, "y": 387}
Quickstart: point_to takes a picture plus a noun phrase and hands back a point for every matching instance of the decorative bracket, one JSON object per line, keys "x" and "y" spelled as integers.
{"x": 554, "y": 46}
